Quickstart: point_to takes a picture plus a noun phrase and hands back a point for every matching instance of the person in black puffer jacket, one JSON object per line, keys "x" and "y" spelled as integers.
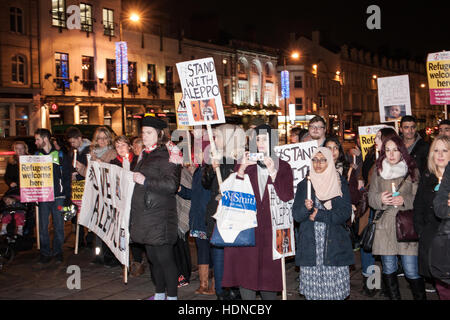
{"x": 153, "y": 216}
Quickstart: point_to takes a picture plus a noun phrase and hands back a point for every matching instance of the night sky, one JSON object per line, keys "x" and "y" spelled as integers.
{"x": 409, "y": 29}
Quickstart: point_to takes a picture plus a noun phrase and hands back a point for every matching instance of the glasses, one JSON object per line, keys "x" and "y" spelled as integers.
{"x": 321, "y": 160}
{"x": 316, "y": 127}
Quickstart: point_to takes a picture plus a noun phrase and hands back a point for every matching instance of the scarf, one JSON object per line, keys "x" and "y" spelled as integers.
{"x": 327, "y": 185}
{"x": 390, "y": 171}
{"x": 100, "y": 152}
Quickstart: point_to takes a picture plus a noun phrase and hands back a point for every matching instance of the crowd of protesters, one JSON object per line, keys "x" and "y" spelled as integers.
{"x": 176, "y": 195}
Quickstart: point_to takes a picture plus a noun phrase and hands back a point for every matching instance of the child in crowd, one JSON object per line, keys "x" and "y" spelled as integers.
{"x": 12, "y": 208}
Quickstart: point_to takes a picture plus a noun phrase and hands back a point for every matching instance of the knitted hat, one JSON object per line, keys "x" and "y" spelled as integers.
{"x": 156, "y": 123}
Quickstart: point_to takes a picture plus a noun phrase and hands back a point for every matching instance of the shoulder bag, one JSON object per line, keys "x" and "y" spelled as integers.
{"x": 404, "y": 224}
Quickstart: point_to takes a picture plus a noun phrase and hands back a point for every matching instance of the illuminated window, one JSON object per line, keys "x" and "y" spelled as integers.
{"x": 108, "y": 22}
{"x": 62, "y": 70}
{"x": 86, "y": 17}
{"x": 59, "y": 13}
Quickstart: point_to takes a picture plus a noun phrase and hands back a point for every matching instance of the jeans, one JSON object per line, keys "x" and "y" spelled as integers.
{"x": 367, "y": 259}
{"x": 410, "y": 265}
{"x": 218, "y": 259}
{"x": 45, "y": 208}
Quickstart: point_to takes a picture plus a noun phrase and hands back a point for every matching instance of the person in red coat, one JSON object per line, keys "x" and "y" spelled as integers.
{"x": 252, "y": 268}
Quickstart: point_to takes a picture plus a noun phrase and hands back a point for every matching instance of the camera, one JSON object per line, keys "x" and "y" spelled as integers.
{"x": 256, "y": 156}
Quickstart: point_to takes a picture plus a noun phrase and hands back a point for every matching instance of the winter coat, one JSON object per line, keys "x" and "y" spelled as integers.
{"x": 62, "y": 173}
{"x": 385, "y": 240}
{"x": 199, "y": 197}
{"x": 12, "y": 173}
{"x": 253, "y": 267}
{"x": 420, "y": 153}
{"x": 153, "y": 215}
{"x": 338, "y": 245}
{"x": 425, "y": 221}
{"x": 82, "y": 153}
{"x": 118, "y": 161}
{"x": 441, "y": 208}
{"x": 210, "y": 182}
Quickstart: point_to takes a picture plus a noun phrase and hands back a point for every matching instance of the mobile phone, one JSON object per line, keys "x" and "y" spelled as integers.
{"x": 259, "y": 156}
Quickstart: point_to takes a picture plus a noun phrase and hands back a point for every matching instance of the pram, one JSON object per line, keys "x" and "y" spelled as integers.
{"x": 11, "y": 243}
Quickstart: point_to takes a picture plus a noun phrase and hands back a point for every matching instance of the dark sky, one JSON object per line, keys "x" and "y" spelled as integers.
{"x": 409, "y": 29}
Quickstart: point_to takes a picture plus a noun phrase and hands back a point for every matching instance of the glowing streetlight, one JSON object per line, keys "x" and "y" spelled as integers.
{"x": 295, "y": 55}
{"x": 134, "y": 17}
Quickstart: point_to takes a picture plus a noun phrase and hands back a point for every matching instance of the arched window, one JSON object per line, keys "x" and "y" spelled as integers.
{"x": 18, "y": 69}
{"x": 15, "y": 20}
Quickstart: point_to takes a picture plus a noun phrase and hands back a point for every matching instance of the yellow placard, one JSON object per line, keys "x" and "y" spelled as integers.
{"x": 77, "y": 190}
{"x": 438, "y": 74}
{"x": 36, "y": 175}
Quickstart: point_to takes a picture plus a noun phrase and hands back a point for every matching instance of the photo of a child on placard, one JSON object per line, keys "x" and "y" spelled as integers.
{"x": 394, "y": 112}
{"x": 204, "y": 110}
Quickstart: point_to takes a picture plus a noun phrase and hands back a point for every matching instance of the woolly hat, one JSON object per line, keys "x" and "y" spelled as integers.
{"x": 150, "y": 121}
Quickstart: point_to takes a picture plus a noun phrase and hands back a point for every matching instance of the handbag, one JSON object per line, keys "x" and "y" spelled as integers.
{"x": 404, "y": 223}
{"x": 245, "y": 238}
{"x": 363, "y": 203}
{"x": 368, "y": 233}
{"x": 439, "y": 253}
{"x": 404, "y": 226}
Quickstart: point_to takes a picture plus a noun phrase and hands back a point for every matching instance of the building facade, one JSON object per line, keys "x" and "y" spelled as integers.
{"x": 68, "y": 75}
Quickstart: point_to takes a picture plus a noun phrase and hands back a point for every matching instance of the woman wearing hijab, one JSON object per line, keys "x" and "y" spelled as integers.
{"x": 324, "y": 249}
{"x": 252, "y": 268}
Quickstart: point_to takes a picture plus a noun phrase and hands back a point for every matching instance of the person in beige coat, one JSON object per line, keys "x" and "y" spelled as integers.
{"x": 392, "y": 166}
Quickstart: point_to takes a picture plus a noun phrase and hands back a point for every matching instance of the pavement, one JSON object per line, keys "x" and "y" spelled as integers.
{"x": 22, "y": 280}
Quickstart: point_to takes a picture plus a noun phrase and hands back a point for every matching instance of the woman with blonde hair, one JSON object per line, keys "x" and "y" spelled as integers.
{"x": 12, "y": 178}
{"x": 230, "y": 144}
{"x": 425, "y": 221}
{"x": 102, "y": 148}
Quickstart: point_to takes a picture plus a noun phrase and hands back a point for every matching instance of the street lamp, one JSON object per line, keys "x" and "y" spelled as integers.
{"x": 294, "y": 55}
{"x": 135, "y": 18}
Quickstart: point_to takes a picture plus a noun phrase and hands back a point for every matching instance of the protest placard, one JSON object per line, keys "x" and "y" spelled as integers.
{"x": 367, "y": 137}
{"x": 201, "y": 92}
{"x": 298, "y": 155}
{"x": 438, "y": 71}
{"x": 36, "y": 179}
{"x": 181, "y": 112}
{"x": 106, "y": 204}
{"x": 77, "y": 192}
{"x": 394, "y": 101}
{"x": 283, "y": 241}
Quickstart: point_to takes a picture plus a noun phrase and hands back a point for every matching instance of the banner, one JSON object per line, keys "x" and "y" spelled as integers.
{"x": 201, "y": 92}
{"x": 106, "y": 206}
{"x": 298, "y": 155}
{"x": 394, "y": 100}
{"x": 438, "y": 71}
{"x": 367, "y": 137}
{"x": 181, "y": 112}
{"x": 36, "y": 179}
{"x": 283, "y": 241}
{"x": 77, "y": 193}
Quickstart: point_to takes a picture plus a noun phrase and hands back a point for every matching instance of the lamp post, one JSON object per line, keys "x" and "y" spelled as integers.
{"x": 135, "y": 18}
{"x": 294, "y": 55}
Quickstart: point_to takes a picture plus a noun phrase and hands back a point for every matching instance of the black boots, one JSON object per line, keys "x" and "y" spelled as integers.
{"x": 390, "y": 282}
{"x": 417, "y": 288}
{"x": 365, "y": 290}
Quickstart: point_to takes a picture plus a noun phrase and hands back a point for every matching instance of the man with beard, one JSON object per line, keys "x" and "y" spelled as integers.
{"x": 417, "y": 147}
{"x": 62, "y": 196}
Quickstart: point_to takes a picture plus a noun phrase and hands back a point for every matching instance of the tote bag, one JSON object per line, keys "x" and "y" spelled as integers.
{"x": 236, "y": 214}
